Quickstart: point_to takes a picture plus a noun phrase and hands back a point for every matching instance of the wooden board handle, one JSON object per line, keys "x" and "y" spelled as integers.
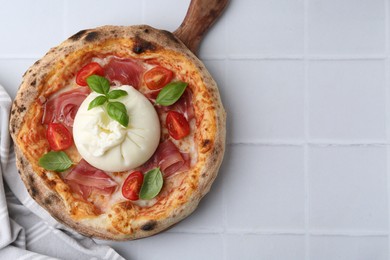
{"x": 200, "y": 16}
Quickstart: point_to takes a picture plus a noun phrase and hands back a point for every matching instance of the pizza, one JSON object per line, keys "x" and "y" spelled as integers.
{"x": 119, "y": 131}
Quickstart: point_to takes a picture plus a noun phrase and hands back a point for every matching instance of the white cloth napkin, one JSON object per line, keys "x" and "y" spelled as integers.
{"x": 27, "y": 231}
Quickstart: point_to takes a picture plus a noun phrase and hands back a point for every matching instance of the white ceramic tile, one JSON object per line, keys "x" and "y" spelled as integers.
{"x": 11, "y": 71}
{"x": 340, "y": 248}
{"x": 214, "y": 42}
{"x": 167, "y": 15}
{"x": 347, "y": 100}
{"x": 346, "y": 27}
{"x": 266, "y": 100}
{"x": 93, "y": 13}
{"x": 265, "y": 27}
{"x": 347, "y": 188}
{"x": 270, "y": 194}
{"x": 181, "y": 246}
{"x": 270, "y": 247}
{"x": 30, "y": 28}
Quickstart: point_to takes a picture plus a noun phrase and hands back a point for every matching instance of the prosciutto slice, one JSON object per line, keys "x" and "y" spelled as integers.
{"x": 169, "y": 159}
{"x": 125, "y": 71}
{"x": 183, "y": 105}
{"x": 63, "y": 108}
{"x": 85, "y": 179}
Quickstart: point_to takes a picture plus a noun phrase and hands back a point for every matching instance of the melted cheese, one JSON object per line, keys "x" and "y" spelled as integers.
{"x": 107, "y": 145}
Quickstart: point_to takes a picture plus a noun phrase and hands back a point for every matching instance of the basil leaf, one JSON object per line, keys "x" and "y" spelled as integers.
{"x": 98, "y": 84}
{"x": 118, "y": 112}
{"x": 171, "y": 93}
{"x": 98, "y": 101}
{"x": 116, "y": 93}
{"x": 151, "y": 187}
{"x": 55, "y": 161}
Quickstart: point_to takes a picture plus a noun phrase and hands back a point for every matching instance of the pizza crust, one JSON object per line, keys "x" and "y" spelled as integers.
{"x": 125, "y": 220}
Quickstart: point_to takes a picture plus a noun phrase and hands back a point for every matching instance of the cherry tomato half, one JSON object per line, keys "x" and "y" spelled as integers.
{"x": 92, "y": 68}
{"x": 177, "y": 125}
{"x": 58, "y": 136}
{"x": 132, "y": 185}
{"x": 157, "y": 77}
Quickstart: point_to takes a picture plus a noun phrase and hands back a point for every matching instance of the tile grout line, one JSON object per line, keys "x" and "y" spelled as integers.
{"x": 306, "y": 56}
{"x": 278, "y": 232}
{"x": 322, "y": 143}
{"x": 306, "y": 129}
{"x": 387, "y": 112}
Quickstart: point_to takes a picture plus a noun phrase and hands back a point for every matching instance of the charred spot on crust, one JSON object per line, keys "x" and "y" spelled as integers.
{"x": 92, "y": 36}
{"x": 51, "y": 199}
{"x": 78, "y": 35}
{"x": 34, "y": 192}
{"x": 30, "y": 178}
{"x": 146, "y": 30}
{"x": 33, "y": 83}
{"x": 22, "y": 163}
{"x": 114, "y": 33}
{"x": 21, "y": 109}
{"x": 141, "y": 45}
{"x": 206, "y": 143}
{"x": 149, "y": 226}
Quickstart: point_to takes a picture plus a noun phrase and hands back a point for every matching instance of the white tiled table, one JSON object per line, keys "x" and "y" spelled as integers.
{"x": 306, "y": 87}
